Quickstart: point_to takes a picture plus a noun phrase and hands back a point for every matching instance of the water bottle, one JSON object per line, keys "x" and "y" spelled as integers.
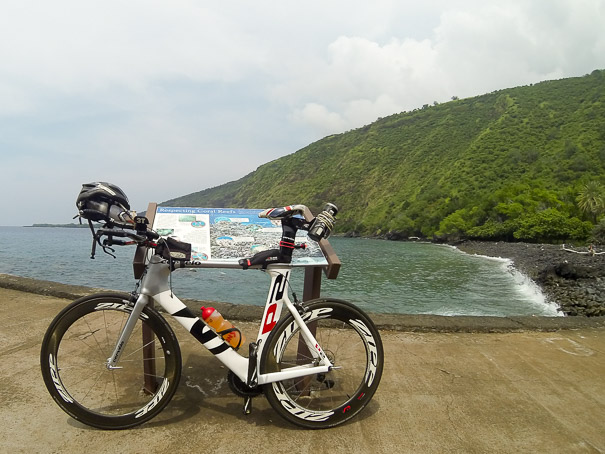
{"x": 323, "y": 223}
{"x": 223, "y": 328}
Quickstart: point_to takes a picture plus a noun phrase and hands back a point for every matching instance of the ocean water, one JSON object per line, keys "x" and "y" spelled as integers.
{"x": 379, "y": 276}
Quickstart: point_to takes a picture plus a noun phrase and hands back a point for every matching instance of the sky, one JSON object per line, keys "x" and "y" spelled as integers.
{"x": 166, "y": 98}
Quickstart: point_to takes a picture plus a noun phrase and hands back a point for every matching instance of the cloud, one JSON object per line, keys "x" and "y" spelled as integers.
{"x": 73, "y": 47}
{"x": 166, "y": 98}
{"x": 473, "y": 49}
{"x": 320, "y": 118}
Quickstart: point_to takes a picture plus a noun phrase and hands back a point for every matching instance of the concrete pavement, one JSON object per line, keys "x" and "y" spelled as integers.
{"x": 523, "y": 391}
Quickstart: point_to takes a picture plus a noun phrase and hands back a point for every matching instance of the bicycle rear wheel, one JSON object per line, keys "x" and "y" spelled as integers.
{"x": 352, "y": 343}
{"x": 74, "y": 357}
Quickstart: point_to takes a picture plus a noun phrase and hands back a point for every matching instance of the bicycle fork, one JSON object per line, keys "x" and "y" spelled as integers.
{"x": 140, "y": 304}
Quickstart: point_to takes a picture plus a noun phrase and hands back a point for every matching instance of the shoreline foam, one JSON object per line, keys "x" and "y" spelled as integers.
{"x": 575, "y": 282}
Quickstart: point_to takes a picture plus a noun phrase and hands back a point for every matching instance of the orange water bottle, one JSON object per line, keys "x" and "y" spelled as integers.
{"x": 223, "y": 328}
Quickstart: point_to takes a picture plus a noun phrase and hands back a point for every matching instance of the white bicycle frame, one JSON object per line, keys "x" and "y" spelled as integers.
{"x": 155, "y": 287}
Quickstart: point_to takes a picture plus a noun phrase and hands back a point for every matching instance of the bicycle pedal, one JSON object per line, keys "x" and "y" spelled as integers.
{"x": 247, "y": 405}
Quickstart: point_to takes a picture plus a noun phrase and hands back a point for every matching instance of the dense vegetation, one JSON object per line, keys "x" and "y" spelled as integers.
{"x": 525, "y": 163}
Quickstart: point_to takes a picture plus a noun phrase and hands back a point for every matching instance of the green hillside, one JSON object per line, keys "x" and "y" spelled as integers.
{"x": 508, "y": 165}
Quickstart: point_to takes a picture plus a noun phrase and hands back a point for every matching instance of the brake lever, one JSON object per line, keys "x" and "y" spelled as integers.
{"x": 97, "y": 239}
{"x": 107, "y": 245}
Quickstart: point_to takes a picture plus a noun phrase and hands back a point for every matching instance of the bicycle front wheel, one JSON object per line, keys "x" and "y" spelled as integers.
{"x": 74, "y": 356}
{"x": 351, "y": 342}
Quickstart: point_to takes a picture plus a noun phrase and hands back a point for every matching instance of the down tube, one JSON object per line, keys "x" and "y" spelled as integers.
{"x": 208, "y": 338}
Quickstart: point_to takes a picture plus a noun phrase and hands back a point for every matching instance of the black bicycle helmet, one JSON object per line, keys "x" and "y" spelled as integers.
{"x": 96, "y": 200}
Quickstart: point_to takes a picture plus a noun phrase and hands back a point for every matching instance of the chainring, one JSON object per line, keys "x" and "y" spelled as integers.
{"x": 239, "y": 388}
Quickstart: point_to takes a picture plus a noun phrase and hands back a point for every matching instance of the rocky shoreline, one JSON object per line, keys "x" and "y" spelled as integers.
{"x": 575, "y": 281}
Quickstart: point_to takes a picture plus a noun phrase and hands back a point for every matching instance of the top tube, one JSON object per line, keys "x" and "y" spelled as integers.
{"x": 233, "y": 263}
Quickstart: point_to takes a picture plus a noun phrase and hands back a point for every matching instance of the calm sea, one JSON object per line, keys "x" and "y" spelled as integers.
{"x": 379, "y": 276}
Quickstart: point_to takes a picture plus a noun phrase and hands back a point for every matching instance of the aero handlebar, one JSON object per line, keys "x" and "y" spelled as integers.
{"x": 137, "y": 237}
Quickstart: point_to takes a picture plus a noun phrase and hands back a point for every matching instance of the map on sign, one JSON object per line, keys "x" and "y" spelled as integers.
{"x": 228, "y": 234}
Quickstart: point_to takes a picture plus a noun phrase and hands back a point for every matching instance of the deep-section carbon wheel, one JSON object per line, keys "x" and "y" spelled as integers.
{"x": 352, "y": 343}
{"x": 74, "y": 357}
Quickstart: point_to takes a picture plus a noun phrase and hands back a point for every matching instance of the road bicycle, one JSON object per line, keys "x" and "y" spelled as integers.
{"x": 111, "y": 360}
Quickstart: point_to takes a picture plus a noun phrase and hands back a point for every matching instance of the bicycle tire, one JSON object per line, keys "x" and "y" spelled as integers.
{"x": 352, "y": 343}
{"x": 74, "y": 357}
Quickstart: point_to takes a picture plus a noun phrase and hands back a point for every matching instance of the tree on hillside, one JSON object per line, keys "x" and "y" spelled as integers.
{"x": 591, "y": 200}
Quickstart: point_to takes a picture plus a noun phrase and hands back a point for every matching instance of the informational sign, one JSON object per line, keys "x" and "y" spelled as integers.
{"x": 225, "y": 235}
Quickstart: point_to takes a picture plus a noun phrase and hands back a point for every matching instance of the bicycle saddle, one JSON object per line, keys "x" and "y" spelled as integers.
{"x": 283, "y": 212}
